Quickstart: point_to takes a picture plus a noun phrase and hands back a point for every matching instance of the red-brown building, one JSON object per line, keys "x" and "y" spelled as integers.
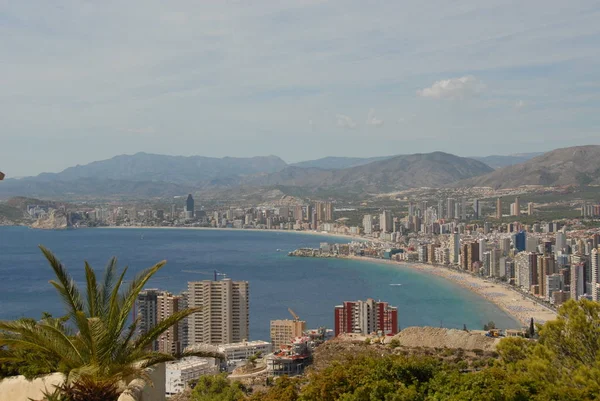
{"x": 366, "y": 317}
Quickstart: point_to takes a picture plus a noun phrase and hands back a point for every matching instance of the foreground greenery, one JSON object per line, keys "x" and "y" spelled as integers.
{"x": 564, "y": 364}
{"x": 94, "y": 345}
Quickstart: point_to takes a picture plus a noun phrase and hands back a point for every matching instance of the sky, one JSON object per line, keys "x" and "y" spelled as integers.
{"x": 301, "y": 79}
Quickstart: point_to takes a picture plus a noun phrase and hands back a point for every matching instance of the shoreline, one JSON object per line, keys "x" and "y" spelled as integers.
{"x": 304, "y": 232}
{"x": 509, "y": 300}
{"x": 512, "y": 302}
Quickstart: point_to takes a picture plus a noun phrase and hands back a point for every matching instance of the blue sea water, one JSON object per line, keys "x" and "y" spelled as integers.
{"x": 311, "y": 287}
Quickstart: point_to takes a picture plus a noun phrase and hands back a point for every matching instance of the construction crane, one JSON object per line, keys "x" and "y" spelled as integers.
{"x": 296, "y": 317}
{"x": 214, "y": 273}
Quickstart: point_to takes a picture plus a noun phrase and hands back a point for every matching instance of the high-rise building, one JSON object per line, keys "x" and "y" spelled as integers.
{"x": 463, "y": 208}
{"x": 411, "y": 209}
{"x": 367, "y": 224}
{"x": 173, "y": 211}
{"x": 561, "y": 241}
{"x": 440, "y": 209}
{"x": 366, "y": 317}
{"x": 476, "y": 209}
{"x": 224, "y": 317}
{"x": 454, "y": 247}
{"x": 577, "y": 281}
{"x": 298, "y": 213}
{"x": 189, "y": 206}
{"x": 308, "y": 212}
{"x": 520, "y": 241}
{"x": 472, "y": 255}
{"x": 530, "y": 208}
{"x": 169, "y": 341}
{"x": 482, "y": 248}
{"x": 517, "y": 207}
{"x": 450, "y": 205}
{"x": 499, "y": 208}
{"x": 386, "y": 222}
{"x": 284, "y": 331}
{"x": 495, "y": 270}
{"x": 324, "y": 211}
{"x": 146, "y": 310}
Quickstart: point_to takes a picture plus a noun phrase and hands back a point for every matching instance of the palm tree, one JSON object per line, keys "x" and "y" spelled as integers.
{"x": 94, "y": 345}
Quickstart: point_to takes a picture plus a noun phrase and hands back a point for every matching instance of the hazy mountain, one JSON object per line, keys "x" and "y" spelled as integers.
{"x": 142, "y": 175}
{"x": 337, "y": 163}
{"x": 398, "y": 172}
{"x": 145, "y": 176}
{"x": 92, "y": 188}
{"x": 190, "y": 170}
{"x": 579, "y": 165}
{"x": 499, "y": 161}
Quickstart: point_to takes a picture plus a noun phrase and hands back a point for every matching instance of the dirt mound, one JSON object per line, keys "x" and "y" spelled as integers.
{"x": 435, "y": 337}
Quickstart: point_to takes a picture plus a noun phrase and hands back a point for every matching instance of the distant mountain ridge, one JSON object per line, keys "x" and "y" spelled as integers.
{"x": 180, "y": 170}
{"x": 146, "y": 175}
{"x": 398, "y": 172}
{"x": 578, "y": 165}
{"x": 499, "y": 161}
{"x": 336, "y": 163}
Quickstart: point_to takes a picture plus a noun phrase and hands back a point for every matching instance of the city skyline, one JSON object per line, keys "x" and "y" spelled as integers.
{"x": 241, "y": 80}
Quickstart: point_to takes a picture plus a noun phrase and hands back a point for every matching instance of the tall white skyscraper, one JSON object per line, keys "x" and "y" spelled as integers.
{"x": 454, "y": 247}
{"x": 368, "y": 224}
{"x": 561, "y": 241}
{"x": 224, "y": 317}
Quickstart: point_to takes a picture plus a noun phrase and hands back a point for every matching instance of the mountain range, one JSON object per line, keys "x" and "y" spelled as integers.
{"x": 144, "y": 175}
{"x": 579, "y": 165}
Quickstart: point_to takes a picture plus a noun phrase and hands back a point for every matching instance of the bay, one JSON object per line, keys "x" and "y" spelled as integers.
{"x": 311, "y": 287}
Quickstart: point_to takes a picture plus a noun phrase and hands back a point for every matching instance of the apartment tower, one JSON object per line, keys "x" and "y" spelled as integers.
{"x": 167, "y": 304}
{"x": 499, "y": 208}
{"x": 366, "y": 317}
{"x": 224, "y": 317}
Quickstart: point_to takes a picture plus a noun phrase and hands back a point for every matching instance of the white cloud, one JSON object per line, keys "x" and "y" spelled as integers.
{"x": 453, "y": 88}
{"x": 345, "y": 121}
{"x": 372, "y": 120}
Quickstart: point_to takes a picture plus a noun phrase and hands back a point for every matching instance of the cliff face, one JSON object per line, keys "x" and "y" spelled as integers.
{"x": 55, "y": 220}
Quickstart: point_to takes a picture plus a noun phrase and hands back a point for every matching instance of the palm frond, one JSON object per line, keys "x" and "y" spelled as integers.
{"x": 151, "y": 335}
{"x": 65, "y": 286}
{"x": 93, "y": 296}
{"x": 107, "y": 285}
{"x": 137, "y": 284}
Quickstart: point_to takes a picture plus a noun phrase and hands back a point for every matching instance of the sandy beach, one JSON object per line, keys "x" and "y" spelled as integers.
{"x": 506, "y": 298}
{"x": 349, "y": 238}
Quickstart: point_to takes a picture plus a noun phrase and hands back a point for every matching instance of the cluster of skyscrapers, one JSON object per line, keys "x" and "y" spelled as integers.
{"x": 223, "y": 317}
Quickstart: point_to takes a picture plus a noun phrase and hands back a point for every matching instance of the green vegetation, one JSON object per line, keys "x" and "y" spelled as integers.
{"x": 93, "y": 345}
{"x": 564, "y": 364}
{"x": 218, "y": 388}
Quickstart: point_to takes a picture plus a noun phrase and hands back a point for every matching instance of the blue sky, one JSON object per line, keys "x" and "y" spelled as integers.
{"x": 302, "y": 79}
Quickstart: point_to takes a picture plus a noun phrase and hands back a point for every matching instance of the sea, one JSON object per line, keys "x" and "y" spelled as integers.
{"x": 310, "y": 287}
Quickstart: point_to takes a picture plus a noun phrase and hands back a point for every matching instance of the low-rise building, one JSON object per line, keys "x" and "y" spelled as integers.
{"x": 180, "y": 373}
{"x": 244, "y": 350}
